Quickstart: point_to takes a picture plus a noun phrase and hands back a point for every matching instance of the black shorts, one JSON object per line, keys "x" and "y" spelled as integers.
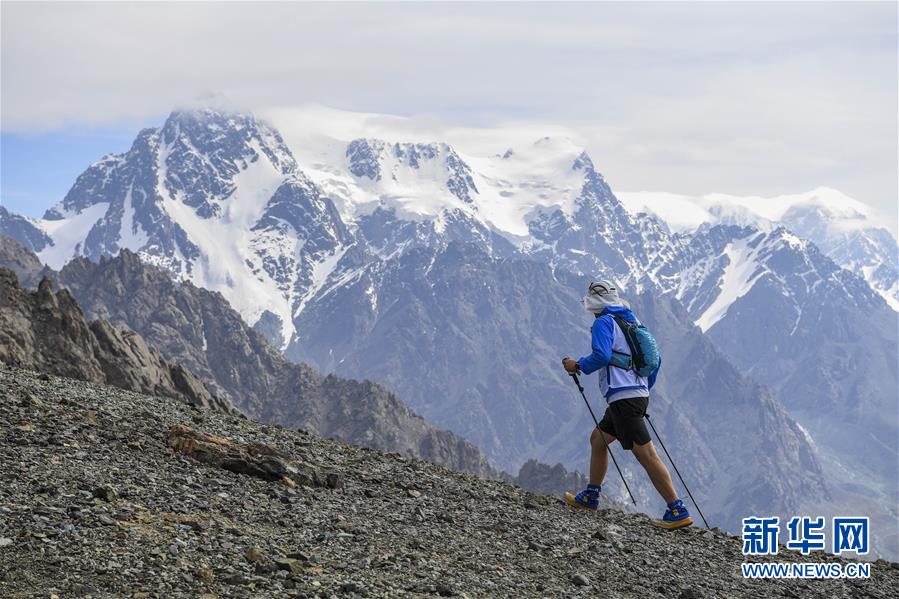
{"x": 624, "y": 421}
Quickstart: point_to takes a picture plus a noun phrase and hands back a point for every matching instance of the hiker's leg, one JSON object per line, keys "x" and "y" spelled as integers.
{"x": 599, "y": 456}
{"x": 655, "y": 468}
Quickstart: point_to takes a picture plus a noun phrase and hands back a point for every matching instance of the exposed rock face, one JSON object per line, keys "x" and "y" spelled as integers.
{"x": 23, "y": 230}
{"x": 21, "y": 261}
{"x": 252, "y": 459}
{"x": 46, "y": 331}
{"x": 543, "y": 478}
{"x": 110, "y": 510}
{"x": 198, "y": 330}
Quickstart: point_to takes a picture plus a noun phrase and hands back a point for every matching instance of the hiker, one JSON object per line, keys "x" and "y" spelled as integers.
{"x": 627, "y": 394}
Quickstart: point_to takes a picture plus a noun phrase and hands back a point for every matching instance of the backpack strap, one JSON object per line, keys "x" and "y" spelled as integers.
{"x": 627, "y": 329}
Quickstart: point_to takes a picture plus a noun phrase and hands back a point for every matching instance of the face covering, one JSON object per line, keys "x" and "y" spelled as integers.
{"x": 595, "y": 304}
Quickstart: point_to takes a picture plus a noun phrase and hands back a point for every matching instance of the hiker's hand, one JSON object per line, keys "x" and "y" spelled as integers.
{"x": 571, "y": 365}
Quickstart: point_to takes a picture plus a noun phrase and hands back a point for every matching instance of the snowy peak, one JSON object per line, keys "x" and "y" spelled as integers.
{"x": 404, "y": 169}
{"x": 842, "y": 227}
{"x": 583, "y": 162}
{"x": 713, "y": 269}
{"x": 687, "y": 213}
{"x": 199, "y": 154}
{"x": 211, "y": 197}
{"x": 227, "y": 137}
{"x": 199, "y": 165}
{"x": 437, "y": 181}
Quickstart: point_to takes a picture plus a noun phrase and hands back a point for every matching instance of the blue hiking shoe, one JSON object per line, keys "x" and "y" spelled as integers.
{"x": 676, "y": 516}
{"x": 588, "y": 499}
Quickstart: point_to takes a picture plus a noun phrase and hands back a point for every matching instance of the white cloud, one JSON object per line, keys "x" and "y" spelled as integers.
{"x": 749, "y": 98}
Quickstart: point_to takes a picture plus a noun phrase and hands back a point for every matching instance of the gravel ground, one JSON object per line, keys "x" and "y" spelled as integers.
{"x": 93, "y": 503}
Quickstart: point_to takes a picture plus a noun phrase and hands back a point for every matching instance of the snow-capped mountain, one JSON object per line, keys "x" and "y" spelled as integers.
{"x": 842, "y": 227}
{"x": 213, "y": 198}
{"x": 727, "y": 276}
{"x": 454, "y": 278}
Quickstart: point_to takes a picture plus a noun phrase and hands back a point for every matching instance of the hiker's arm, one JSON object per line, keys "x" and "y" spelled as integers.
{"x": 652, "y": 377}
{"x": 602, "y": 336}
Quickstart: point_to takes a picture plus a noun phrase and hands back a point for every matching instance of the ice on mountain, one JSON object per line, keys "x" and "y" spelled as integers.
{"x": 68, "y": 234}
{"x": 131, "y": 233}
{"x": 740, "y": 274}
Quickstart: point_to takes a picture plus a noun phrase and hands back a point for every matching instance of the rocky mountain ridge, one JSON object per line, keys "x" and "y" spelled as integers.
{"x": 46, "y": 331}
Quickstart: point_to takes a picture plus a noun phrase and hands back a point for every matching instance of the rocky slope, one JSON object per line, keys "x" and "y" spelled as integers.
{"x": 98, "y": 504}
{"x": 198, "y": 330}
{"x": 46, "y": 331}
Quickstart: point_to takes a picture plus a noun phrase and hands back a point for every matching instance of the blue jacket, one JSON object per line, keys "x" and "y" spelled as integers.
{"x": 602, "y": 335}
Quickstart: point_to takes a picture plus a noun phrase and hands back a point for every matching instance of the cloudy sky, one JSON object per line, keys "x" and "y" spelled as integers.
{"x": 740, "y": 98}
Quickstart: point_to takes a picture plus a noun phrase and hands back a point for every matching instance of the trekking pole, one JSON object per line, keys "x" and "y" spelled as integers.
{"x": 665, "y": 449}
{"x": 602, "y": 435}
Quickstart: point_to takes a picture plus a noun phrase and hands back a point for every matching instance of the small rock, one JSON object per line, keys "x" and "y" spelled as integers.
{"x": 580, "y": 580}
{"x": 345, "y": 526}
{"x": 196, "y": 525}
{"x": 105, "y": 492}
{"x": 106, "y": 520}
{"x": 237, "y": 579}
{"x": 206, "y": 575}
{"x": 253, "y": 555}
{"x": 413, "y": 493}
{"x": 294, "y": 566}
{"x": 28, "y": 399}
{"x": 4, "y": 541}
{"x": 265, "y": 567}
{"x": 298, "y": 555}
{"x": 90, "y": 417}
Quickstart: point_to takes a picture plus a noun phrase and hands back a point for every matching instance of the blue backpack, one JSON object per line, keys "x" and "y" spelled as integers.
{"x": 644, "y": 358}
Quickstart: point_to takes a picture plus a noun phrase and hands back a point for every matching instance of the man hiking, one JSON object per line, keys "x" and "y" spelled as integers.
{"x": 627, "y": 395}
